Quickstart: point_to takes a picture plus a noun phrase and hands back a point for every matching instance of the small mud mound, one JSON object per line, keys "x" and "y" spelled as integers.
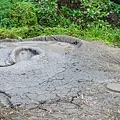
{"x": 21, "y": 53}
{"x": 25, "y": 53}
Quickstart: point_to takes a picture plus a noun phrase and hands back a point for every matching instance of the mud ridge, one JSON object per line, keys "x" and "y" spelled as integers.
{"x": 58, "y": 38}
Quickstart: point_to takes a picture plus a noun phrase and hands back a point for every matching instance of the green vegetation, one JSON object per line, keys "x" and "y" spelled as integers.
{"x": 89, "y": 20}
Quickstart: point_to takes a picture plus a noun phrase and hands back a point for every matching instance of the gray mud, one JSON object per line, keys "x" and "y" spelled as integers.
{"x": 66, "y": 82}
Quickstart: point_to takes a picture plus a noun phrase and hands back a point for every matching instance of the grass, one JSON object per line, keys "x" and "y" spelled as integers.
{"x": 107, "y": 34}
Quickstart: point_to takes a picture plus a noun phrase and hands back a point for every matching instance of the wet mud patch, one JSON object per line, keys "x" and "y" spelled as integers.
{"x": 67, "y": 82}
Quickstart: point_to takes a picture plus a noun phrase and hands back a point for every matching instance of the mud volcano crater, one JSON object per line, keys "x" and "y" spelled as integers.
{"x": 25, "y": 53}
{"x": 28, "y": 48}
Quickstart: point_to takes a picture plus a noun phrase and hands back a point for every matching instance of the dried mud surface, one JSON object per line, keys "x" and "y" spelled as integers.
{"x": 66, "y": 83}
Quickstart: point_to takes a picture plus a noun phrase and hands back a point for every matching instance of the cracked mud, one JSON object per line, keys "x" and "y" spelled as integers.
{"x": 65, "y": 81}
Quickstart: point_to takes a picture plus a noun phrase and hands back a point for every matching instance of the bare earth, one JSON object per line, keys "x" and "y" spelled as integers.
{"x": 58, "y": 78}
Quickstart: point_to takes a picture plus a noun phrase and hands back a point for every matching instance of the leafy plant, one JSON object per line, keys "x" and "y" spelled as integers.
{"x": 89, "y": 12}
{"x": 15, "y": 14}
{"x": 47, "y": 12}
{"x": 5, "y": 10}
{"x": 23, "y": 13}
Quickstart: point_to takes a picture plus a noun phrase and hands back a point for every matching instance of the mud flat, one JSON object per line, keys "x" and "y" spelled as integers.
{"x": 59, "y": 77}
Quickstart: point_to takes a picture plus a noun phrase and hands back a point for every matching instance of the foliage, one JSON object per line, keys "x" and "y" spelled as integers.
{"x": 24, "y": 13}
{"x": 17, "y": 14}
{"x": 91, "y": 11}
{"x": 47, "y": 14}
{"x": 5, "y": 9}
{"x": 29, "y": 18}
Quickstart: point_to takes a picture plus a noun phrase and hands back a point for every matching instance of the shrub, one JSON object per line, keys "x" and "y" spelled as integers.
{"x": 47, "y": 13}
{"x": 5, "y": 10}
{"x": 89, "y": 12}
{"x": 17, "y": 14}
{"x": 23, "y": 13}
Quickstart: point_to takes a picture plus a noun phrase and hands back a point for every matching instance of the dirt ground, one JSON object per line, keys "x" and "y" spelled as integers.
{"x": 67, "y": 82}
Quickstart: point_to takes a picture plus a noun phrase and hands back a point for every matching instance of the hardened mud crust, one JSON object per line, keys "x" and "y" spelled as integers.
{"x": 60, "y": 85}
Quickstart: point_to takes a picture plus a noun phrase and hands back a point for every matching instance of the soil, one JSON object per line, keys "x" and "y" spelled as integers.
{"x": 68, "y": 82}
